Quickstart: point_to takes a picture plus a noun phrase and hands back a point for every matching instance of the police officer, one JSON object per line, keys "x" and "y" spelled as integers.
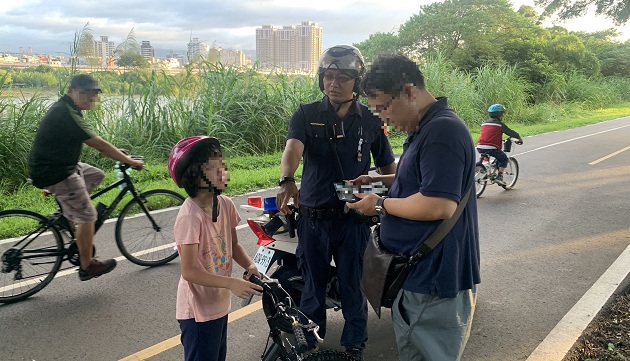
{"x": 335, "y": 137}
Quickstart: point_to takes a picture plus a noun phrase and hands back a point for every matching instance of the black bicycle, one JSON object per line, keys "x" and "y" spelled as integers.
{"x": 283, "y": 318}
{"x": 33, "y": 246}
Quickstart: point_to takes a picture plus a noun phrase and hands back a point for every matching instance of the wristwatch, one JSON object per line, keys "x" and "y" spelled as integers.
{"x": 379, "y": 208}
{"x": 285, "y": 179}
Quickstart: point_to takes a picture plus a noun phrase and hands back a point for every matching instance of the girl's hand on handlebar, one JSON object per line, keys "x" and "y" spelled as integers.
{"x": 242, "y": 289}
{"x": 251, "y": 270}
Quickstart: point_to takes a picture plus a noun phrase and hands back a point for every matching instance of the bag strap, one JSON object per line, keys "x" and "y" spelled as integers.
{"x": 439, "y": 233}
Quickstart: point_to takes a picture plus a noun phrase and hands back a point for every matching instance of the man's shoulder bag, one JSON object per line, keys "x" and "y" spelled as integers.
{"x": 385, "y": 273}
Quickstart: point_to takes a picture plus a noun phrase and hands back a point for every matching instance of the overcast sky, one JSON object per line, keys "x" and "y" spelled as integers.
{"x": 48, "y": 26}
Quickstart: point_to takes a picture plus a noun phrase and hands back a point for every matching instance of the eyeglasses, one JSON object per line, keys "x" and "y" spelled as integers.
{"x": 341, "y": 79}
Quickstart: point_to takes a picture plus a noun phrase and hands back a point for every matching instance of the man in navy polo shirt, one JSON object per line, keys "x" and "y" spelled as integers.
{"x": 336, "y": 124}
{"x": 433, "y": 312}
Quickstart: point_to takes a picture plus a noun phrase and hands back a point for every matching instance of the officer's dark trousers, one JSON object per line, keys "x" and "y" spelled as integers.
{"x": 345, "y": 240}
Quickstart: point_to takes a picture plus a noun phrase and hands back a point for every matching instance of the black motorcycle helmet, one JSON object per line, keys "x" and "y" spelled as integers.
{"x": 345, "y": 58}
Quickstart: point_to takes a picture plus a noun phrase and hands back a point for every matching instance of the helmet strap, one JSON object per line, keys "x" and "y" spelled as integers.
{"x": 215, "y": 194}
{"x": 344, "y": 102}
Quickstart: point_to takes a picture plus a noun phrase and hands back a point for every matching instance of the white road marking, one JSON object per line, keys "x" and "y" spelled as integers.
{"x": 561, "y": 339}
{"x": 572, "y": 139}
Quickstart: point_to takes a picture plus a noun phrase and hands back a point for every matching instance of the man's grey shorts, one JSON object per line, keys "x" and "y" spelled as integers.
{"x": 73, "y": 193}
{"x": 430, "y": 328}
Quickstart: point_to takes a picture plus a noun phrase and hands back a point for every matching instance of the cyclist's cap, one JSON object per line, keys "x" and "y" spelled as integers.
{"x": 85, "y": 82}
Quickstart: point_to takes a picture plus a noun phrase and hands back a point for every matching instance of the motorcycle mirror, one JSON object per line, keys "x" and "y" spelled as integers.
{"x": 263, "y": 238}
{"x": 272, "y": 226}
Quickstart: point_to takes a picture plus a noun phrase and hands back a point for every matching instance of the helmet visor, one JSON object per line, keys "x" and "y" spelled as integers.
{"x": 343, "y": 59}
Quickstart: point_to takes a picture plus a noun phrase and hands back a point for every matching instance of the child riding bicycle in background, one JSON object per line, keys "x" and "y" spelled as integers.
{"x": 205, "y": 234}
{"x": 491, "y": 138}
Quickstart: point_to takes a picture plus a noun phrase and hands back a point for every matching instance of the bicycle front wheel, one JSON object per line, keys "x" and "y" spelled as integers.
{"x": 144, "y": 231}
{"x": 510, "y": 175}
{"x": 481, "y": 179}
{"x": 31, "y": 252}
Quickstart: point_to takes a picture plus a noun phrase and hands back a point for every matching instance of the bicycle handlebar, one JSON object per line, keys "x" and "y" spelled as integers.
{"x": 298, "y": 328}
{"x": 300, "y": 339}
{"x": 124, "y": 166}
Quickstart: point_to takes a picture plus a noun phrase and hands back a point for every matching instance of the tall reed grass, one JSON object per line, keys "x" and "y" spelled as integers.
{"x": 249, "y": 111}
{"x": 18, "y": 122}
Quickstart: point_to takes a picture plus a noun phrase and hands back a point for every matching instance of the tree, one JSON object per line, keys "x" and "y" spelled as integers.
{"x": 378, "y": 43}
{"x": 132, "y": 60}
{"x": 128, "y": 53}
{"x": 469, "y": 32}
{"x": 617, "y": 10}
{"x": 616, "y": 60}
{"x": 568, "y": 53}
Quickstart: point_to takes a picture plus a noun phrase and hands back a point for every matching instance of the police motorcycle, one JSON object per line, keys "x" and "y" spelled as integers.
{"x": 277, "y": 240}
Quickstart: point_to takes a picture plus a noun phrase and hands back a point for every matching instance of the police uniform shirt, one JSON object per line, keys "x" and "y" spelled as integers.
{"x": 311, "y": 124}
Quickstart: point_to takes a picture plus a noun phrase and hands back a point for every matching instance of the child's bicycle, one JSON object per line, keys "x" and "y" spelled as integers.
{"x": 33, "y": 247}
{"x": 487, "y": 170}
{"x": 283, "y": 318}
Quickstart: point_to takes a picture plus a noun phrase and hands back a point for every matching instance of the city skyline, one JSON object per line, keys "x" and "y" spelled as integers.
{"x": 212, "y": 22}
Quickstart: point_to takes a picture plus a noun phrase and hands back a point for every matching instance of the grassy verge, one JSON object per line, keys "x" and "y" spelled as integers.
{"x": 248, "y": 174}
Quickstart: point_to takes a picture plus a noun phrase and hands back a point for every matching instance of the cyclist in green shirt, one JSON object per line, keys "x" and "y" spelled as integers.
{"x": 54, "y": 164}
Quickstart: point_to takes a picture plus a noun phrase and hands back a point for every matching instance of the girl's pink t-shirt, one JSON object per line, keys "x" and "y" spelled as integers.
{"x": 193, "y": 226}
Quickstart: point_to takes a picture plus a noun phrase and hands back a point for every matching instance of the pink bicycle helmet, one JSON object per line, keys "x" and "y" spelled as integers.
{"x": 180, "y": 155}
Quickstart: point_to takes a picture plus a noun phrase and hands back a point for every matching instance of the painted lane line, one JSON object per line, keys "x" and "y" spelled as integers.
{"x": 572, "y": 139}
{"x": 561, "y": 339}
{"x": 70, "y": 271}
{"x": 608, "y": 156}
{"x": 175, "y": 340}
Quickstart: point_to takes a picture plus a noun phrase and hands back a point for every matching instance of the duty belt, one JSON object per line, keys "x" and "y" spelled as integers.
{"x": 322, "y": 213}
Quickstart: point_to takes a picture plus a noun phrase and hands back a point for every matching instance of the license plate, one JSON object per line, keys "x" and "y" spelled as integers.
{"x": 263, "y": 258}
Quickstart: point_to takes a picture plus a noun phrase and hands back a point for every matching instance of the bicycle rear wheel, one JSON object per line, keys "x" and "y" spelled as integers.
{"x": 31, "y": 253}
{"x": 481, "y": 179}
{"x": 146, "y": 238}
{"x": 510, "y": 175}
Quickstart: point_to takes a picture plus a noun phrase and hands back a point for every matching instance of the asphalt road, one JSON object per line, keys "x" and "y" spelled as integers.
{"x": 543, "y": 245}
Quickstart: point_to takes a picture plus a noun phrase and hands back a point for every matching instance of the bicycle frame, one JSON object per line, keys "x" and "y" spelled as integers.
{"x": 60, "y": 223}
{"x": 128, "y": 188}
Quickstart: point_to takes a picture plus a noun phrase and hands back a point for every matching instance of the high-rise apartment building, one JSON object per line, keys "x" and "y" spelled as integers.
{"x": 147, "y": 51}
{"x": 229, "y": 57}
{"x": 104, "y": 48}
{"x": 309, "y": 46}
{"x": 266, "y": 46}
{"x": 197, "y": 50}
{"x": 290, "y": 47}
{"x": 286, "y": 49}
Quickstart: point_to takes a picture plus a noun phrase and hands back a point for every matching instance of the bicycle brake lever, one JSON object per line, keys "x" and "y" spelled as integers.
{"x": 319, "y": 339}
